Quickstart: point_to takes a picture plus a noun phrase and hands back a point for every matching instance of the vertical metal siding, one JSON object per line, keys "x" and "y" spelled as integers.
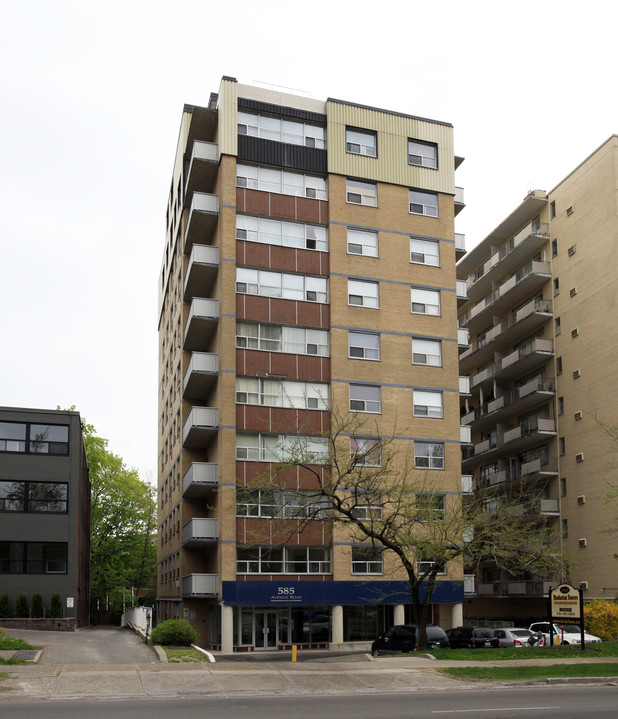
{"x": 393, "y": 132}
{"x": 228, "y": 118}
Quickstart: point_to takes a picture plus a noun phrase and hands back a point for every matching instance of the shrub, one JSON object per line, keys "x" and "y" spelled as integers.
{"x": 174, "y": 631}
{"x": 601, "y": 619}
{"x": 55, "y": 607}
{"x": 37, "y": 605}
{"x": 2, "y": 632}
{"x": 5, "y": 605}
{"x": 21, "y": 605}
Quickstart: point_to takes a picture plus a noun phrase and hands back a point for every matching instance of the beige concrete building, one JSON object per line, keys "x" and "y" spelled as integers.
{"x": 541, "y": 291}
{"x": 309, "y": 266}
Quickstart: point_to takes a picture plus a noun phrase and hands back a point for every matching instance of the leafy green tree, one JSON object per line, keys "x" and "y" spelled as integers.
{"x": 55, "y": 607}
{"x": 37, "y": 605}
{"x": 5, "y": 605}
{"x": 123, "y": 526}
{"x": 21, "y": 606}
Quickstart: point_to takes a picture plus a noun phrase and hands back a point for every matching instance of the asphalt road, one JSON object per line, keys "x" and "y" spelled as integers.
{"x": 564, "y": 702}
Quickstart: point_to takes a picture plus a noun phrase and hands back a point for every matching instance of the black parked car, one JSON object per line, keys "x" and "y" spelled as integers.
{"x": 472, "y": 638}
{"x": 404, "y": 638}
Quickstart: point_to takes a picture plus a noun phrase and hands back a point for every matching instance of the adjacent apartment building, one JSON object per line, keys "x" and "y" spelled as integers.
{"x": 541, "y": 290}
{"x": 309, "y": 265}
{"x": 44, "y": 509}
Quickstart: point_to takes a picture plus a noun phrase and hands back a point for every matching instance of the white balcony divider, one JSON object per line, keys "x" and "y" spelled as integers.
{"x": 461, "y": 290}
{"x": 466, "y": 483}
{"x": 459, "y": 195}
{"x": 463, "y": 337}
{"x": 460, "y": 242}
{"x": 464, "y": 385}
{"x": 469, "y": 584}
{"x": 465, "y": 434}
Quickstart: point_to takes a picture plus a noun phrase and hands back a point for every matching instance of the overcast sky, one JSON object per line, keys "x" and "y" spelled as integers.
{"x": 91, "y": 96}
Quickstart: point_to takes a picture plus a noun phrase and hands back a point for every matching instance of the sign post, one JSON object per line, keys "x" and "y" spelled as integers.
{"x": 566, "y": 604}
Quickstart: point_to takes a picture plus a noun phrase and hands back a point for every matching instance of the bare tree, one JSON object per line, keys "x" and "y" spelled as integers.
{"x": 366, "y": 485}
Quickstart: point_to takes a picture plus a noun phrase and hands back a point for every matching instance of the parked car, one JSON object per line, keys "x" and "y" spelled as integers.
{"x": 404, "y": 638}
{"x": 519, "y": 637}
{"x": 563, "y": 633}
{"x": 472, "y": 638}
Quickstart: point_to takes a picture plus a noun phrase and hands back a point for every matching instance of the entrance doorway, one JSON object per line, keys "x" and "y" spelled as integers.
{"x": 265, "y": 628}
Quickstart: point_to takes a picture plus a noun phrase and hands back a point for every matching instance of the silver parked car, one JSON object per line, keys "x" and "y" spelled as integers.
{"x": 519, "y": 637}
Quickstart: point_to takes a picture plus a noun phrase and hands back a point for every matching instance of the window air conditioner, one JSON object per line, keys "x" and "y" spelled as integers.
{"x": 310, "y": 192}
{"x": 571, "y": 251}
{"x": 573, "y": 291}
{"x": 579, "y": 414}
{"x": 581, "y": 499}
{"x": 582, "y": 542}
{"x": 577, "y": 374}
{"x": 583, "y": 585}
{"x": 579, "y": 457}
{"x": 574, "y": 332}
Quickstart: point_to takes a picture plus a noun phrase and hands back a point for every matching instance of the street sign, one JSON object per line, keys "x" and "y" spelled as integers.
{"x": 565, "y": 603}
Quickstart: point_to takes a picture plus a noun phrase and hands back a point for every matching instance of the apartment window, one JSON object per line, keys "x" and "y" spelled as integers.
{"x": 361, "y": 193}
{"x": 423, "y": 203}
{"x": 278, "y": 232}
{"x": 562, "y": 446}
{"x": 33, "y": 438}
{"x": 427, "y": 404}
{"x": 563, "y": 487}
{"x": 257, "y": 447}
{"x": 425, "y": 566}
{"x": 425, "y": 302}
{"x": 365, "y": 398}
{"x": 283, "y": 560}
{"x": 565, "y": 527}
{"x": 281, "y": 182}
{"x": 44, "y": 497}
{"x": 552, "y": 209}
{"x": 367, "y": 559}
{"x": 281, "y": 285}
{"x": 428, "y": 455}
{"x": 277, "y": 338}
{"x": 558, "y": 326}
{"x": 364, "y": 345}
{"x": 423, "y": 154}
{"x": 558, "y": 365}
{"x": 560, "y": 405}
{"x": 361, "y": 142}
{"x": 424, "y": 252}
{"x": 282, "y": 504}
{"x": 556, "y": 286}
{"x": 281, "y": 393}
{"x": 275, "y": 128}
{"x": 430, "y": 506}
{"x": 427, "y": 352}
{"x": 33, "y": 557}
{"x": 363, "y": 293}
{"x": 365, "y": 451}
{"x": 554, "y": 248}
{"x": 362, "y": 242}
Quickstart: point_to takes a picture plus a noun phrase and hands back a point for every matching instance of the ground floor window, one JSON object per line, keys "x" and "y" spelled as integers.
{"x": 364, "y": 623}
{"x": 268, "y": 628}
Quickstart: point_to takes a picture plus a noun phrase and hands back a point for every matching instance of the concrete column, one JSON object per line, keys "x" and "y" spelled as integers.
{"x": 399, "y": 614}
{"x": 337, "y": 624}
{"x": 457, "y": 615}
{"x": 227, "y": 629}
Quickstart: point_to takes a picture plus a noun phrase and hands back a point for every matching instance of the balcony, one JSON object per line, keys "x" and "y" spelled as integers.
{"x": 201, "y": 427}
{"x": 201, "y": 271}
{"x": 460, "y": 245}
{"x": 540, "y": 507}
{"x": 465, "y": 435}
{"x": 198, "y": 532}
{"x": 459, "y": 200}
{"x": 518, "y": 325}
{"x": 525, "y": 243}
{"x": 529, "y": 432}
{"x": 200, "y": 479}
{"x": 203, "y": 167}
{"x": 522, "y": 361}
{"x": 200, "y": 585}
{"x": 203, "y": 218}
{"x": 201, "y": 375}
{"x": 463, "y": 337}
{"x": 201, "y": 323}
{"x": 528, "y": 279}
{"x": 460, "y": 291}
{"x": 464, "y": 385}
{"x": 531, "y": 588}
{"x": 539, "y": 467}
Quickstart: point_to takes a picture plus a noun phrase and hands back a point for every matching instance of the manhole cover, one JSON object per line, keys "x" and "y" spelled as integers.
{"x": 28, "y": 654}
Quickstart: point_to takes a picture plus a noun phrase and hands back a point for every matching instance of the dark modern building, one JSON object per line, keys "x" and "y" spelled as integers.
{"x": 44, "y": 509}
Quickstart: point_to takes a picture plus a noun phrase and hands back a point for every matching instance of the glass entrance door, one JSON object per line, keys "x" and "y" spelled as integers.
{"x": 265, "y": 626}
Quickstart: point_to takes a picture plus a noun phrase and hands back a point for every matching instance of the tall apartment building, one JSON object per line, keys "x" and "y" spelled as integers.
{"x": 309, "y": 265}
{"x": 541, "y": 289}
{"x": 45, "y": 509}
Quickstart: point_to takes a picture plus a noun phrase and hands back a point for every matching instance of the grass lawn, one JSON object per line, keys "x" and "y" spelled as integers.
{"x": 184, "y": 655}
{"x": 533, "y": 672}
{"x": 605, "y": 649}
{"x": 13, "y": 643}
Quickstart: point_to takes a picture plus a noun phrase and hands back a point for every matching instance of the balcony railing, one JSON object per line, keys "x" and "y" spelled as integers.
{"x": 461, "y": 291}
{"x": 465, "y": 434}
{"x": 547, "y": 507}
{"x": 201, "y": 323}
{"x": 201, "y": 375}
{"x": 201, "y": 271}
{"x": 202, "y": 423}
{"x": 463, "y": 337}
{"x": 199, "y": 531}
{"x": 530, "y": 588}
{"x": 203, "y": 167}
{"x": 200, "y": 585}
{"x": 460, "y": 242}
{"x": 203, "y": 217}
{"x": 530, "y": 427}
{"x": 464, "y": 385}
{"x": 200, "y": 479}
{"x": 507, "y": 399}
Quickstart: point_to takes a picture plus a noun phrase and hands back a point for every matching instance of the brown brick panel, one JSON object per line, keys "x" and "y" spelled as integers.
{"x": 253, "y": 530}
{"x": 284, "y": 577}
{"x": 254, "y": 418}
{"x": 296, "y": 477}
{"x": 255, "y": 363}
{"x": 282, "y": 312}
{"x": 285, "y": 259}
{"x": 283, "y": 207}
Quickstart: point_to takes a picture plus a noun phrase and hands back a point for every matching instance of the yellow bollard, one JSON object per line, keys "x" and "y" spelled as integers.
{"x": 294, "y": 651}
